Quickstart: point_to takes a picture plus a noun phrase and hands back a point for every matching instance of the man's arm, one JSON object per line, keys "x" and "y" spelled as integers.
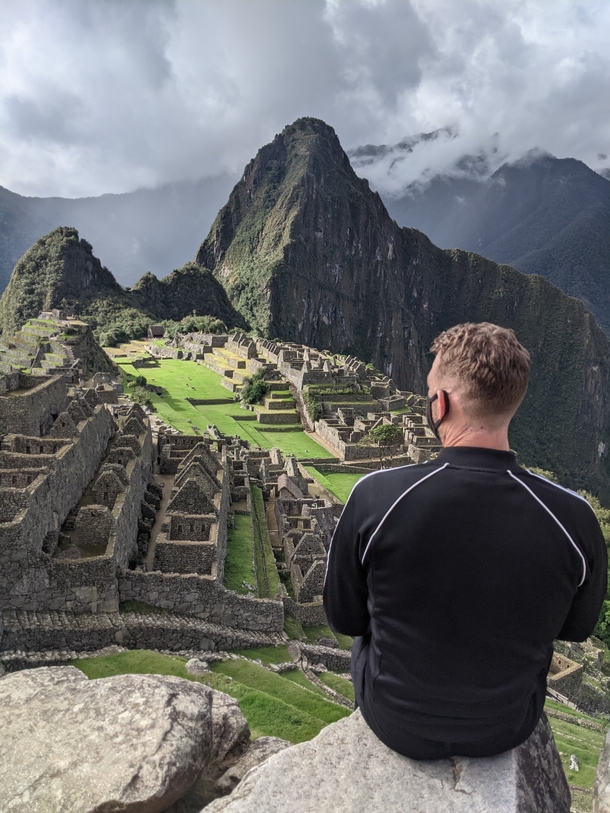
{"x": 345, "y": 587}
{"x": 587, "y": 603}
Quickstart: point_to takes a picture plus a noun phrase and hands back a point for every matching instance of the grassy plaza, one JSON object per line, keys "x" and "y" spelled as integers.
{"x": 188, "y": 379}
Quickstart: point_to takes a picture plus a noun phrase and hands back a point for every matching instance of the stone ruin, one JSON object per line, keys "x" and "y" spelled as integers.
{"x": 72, "y": 490}
{"x": 304, "y": 526}
{"x": 193, "y": 537}
{"x": 53, "y": 343}
{"x": 341, "y": 386}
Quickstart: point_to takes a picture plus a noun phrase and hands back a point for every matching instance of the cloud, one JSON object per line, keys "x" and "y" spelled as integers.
{"x": 110, "y": 95}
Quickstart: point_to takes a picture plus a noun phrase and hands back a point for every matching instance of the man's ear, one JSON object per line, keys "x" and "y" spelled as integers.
{"x": 443, "y": 403}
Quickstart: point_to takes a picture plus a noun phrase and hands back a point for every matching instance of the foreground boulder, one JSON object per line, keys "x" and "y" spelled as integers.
{"x": 346, "y": 768}
{"x": 601, "y": 791}
{"x": 129, "y": 743}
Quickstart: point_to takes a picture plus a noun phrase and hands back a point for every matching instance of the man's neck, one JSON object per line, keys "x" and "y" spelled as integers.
{"x": 471, "y": 437}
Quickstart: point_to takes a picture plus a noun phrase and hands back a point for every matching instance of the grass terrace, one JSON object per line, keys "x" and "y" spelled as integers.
{"x": 337, "y": 483}
{"x": 266, "y": 571}
{"x": 239, "y": 561}
{"x": 187, "y": 379}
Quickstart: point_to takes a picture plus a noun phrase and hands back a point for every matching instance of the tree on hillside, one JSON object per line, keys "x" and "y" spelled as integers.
{"x": 254, "y": 389}
{"x": 386, "y": 436}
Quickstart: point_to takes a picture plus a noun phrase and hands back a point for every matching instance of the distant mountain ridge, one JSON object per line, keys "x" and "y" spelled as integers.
{"x": 541, "y": 214}
{"x": 148, "y": 230}
{"x": 308, "y": 253}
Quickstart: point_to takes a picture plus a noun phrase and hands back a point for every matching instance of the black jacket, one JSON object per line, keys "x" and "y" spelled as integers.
{"x": 460, "y": 573}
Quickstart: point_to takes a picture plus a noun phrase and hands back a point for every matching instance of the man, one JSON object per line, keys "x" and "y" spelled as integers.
{"x": 455, "y": 576}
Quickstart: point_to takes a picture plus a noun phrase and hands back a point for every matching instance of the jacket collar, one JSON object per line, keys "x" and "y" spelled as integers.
{"x": 477, "y": 457}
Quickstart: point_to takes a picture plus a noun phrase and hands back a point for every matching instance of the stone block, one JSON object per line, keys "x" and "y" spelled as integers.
{"x": 130, "y": 742}
{"x": 346, "y": 769}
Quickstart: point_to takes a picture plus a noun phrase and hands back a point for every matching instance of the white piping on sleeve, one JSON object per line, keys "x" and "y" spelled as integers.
{"x": 567, "y": 490}
{"x": 395, "y": 503}
{"x": 548, "y": 510}
{"x": 366, "y": 476}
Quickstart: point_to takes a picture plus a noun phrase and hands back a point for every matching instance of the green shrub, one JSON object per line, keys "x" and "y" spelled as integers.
{"x": 312, "y": 405}
{"x": 254, "y": 389}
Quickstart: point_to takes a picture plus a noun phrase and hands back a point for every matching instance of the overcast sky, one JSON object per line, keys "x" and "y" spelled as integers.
{"x": 111, "y": 95}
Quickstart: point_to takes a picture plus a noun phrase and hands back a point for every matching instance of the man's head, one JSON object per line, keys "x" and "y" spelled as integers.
{"x": 484, "y": 370}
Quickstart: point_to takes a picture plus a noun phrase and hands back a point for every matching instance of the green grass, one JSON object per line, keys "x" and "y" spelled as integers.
{"x": 239, "y": 561}
{"x": 296, "y": 676}
{"x": 345, "y": 642}
{"x": 292, "y": 627}
{"x": 276, "y": 686}
{"x": 263, "y": 553}
{"x": 571, "y": 738}
{"x": 267, "y": 654}
{"x": 318, "y": 631}
{"x": 337, "y": 483}
{"x": 187, "y": 379}
{"x": 338, "y": 683}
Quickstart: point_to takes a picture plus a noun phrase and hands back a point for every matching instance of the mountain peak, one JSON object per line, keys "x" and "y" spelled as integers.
{"x": 59, "y": 267}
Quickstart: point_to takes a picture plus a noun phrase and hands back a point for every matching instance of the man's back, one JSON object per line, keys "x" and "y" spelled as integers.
{"x": 459, "y": 574}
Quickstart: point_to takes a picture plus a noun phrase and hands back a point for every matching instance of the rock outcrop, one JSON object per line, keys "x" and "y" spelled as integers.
{"x": 307, "y": 252}
{"x": 601, "y": 790}
{"x": 132, "y": 743}
{"x": 346, "y": 768}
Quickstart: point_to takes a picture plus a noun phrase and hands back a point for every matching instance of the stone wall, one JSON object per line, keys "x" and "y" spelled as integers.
{"x": 336, "y": 660}
{"x": 24, "y": 567}
{"x": 204, "y": 598}
{"x": 190, "y": 527}
{"x": 51, "y": 631}
{"x": 82, "y": 585}
{"x": 34, "y": 575}
{"x": 565, "y": 676}
{"x": 310, "y": 615}
{"x": 185, "y": 557}
{"x": 28, "y": 408}
{"x": 166, "y": 352}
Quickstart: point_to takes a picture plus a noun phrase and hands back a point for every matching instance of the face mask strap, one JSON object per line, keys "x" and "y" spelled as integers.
{"x": 434, "y": 425}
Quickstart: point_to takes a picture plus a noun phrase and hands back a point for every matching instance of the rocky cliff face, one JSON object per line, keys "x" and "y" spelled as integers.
{"x": 308, "y": 253}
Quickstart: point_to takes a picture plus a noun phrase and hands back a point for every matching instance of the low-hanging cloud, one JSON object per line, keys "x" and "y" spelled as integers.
{"x": 110, "y": 95}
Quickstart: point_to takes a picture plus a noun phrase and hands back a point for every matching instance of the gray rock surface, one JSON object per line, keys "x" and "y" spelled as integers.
{"x": 196, "y": 667}
{"x": 346, "y": 769}
{"x": 259, "y": 751}
{"x": 129, "y": 743}
{"x": 601, "y": 790}
{"x": 230, "y": 740}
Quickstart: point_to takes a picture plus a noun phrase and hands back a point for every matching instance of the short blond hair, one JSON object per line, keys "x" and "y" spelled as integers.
{"x": 488, "y": 362}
